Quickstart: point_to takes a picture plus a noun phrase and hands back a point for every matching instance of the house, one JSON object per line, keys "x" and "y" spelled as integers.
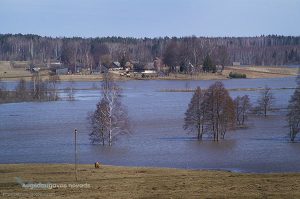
{"x": 149, "y": 73}
{"x": 115, "y": 66}
{"x": 149, "y": 66}
{"x": 98, "y": 70}
{"x": 61, "y": 70}
{"x": 35, "y": 69}
{"x": 236, "y": 63}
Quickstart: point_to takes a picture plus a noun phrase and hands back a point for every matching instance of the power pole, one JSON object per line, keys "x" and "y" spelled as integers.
{"x": 75, "y": 155}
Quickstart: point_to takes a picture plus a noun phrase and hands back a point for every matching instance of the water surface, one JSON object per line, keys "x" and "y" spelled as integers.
{"x": 36, "y": 132}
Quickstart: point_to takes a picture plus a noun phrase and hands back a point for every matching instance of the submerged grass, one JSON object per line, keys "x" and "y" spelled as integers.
{"x": 230, "y": 89}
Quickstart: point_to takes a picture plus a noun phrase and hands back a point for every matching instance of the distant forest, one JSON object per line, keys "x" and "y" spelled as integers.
{"x": 91, "y": 52}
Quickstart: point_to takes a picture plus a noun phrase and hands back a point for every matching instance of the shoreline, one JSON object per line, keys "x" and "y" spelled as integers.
{"x": 137, "y": 182}
{"x": 86, "y": 78}
{"x": 252, "y": 72}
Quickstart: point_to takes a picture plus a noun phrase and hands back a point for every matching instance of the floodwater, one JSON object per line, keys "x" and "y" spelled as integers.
{"x": 42, "y": 132}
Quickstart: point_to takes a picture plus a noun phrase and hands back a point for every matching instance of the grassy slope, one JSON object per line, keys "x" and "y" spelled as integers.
{"x": 125, "y": 182}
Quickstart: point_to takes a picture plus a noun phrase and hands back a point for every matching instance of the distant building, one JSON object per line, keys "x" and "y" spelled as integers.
{"x": 60, "y": 70}
{"x": 236, "y": 63}
{"x": 149, "y": 73}
{"x": 36, "y": 69}
{"x": 149, "y": 66}
{"x": 115, "y": 66}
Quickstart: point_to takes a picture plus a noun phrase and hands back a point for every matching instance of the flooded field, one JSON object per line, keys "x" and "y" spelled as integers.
{"x": 42, "y": 132}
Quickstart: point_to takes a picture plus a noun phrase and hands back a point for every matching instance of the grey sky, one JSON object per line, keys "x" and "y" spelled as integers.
{"x": 150, "y": 18}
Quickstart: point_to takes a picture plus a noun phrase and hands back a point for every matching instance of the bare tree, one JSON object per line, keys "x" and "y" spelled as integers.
{"x": 265, "y": 101}
{"x": 238, "y": 111}
{"x": 242, "y": 108}
{"x": 293, "y": 115}
{"x": 194, "y": 116}
{"x": 212, "y": 112}
{"x": 70, "y": 91}
{"x": 3, "y": 92}
{"x": 22, "y": 90}
{"x": 99, "y": 123}
{"x": 53, "y": 80}
{"x": 245, "y": 108}
{"x": 219, "y": 109}
{"x": 110, "y": 118}
{"x": 170, "y": 56}
{"x": 36, "y": 86}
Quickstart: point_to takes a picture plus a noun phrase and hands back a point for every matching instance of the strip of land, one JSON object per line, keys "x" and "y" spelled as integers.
{"x": 230, "y": 89}
{"x": 133, "y": 182}
{"x": 7, "y": 72}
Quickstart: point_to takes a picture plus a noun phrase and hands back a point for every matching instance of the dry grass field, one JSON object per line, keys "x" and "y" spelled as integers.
{"x": 7, "y": 71}
{"x": 133, "y": 182}
{"x": 262, "y": 71}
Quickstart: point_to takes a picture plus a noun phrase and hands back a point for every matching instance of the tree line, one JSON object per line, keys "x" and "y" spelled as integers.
{"x": 183, "y": 51}
{"x": 213, "y": 112}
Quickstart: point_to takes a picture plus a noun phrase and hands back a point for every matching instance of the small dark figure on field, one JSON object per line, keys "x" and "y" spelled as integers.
{"x": 97, "y": 165}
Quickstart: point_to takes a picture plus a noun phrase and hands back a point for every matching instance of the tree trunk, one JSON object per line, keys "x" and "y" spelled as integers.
{"x": 199, "y": 133}
{"x": 265, "y": 111}
{"x": 243, "y": 119}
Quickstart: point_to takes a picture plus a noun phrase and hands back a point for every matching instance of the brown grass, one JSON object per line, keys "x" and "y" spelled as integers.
{"x": 262, "y": 71}
{"x": 131, "y": 182}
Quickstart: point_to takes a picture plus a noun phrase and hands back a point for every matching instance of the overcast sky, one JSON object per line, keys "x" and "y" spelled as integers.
{"x": 150, "y": 18}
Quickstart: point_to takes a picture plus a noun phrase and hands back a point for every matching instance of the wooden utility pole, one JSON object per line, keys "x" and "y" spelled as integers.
{"x": 75, "y": 155}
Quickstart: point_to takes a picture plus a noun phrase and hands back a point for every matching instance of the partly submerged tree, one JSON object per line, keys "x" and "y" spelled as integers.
{"x": 211, "y": 112}
{"x": 265, "y": 101}
{"x": 293, "y": 115}
{"x": 110, "y": 119}
{"x": 99, "y": 123}
{"x": 22, "y": 93}
{"x": 70, "y": 91}
{"x": 3, "y": 92}
{"x": 242, "y": 109}
{"x": 220, "y": 110}
{"x": 194, "y": 116}
{"x": 53, "y": 81}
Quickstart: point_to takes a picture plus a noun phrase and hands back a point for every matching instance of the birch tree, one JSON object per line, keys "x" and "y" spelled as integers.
{"x": 99, "y": 123}
{"x": 110, "y": 119}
